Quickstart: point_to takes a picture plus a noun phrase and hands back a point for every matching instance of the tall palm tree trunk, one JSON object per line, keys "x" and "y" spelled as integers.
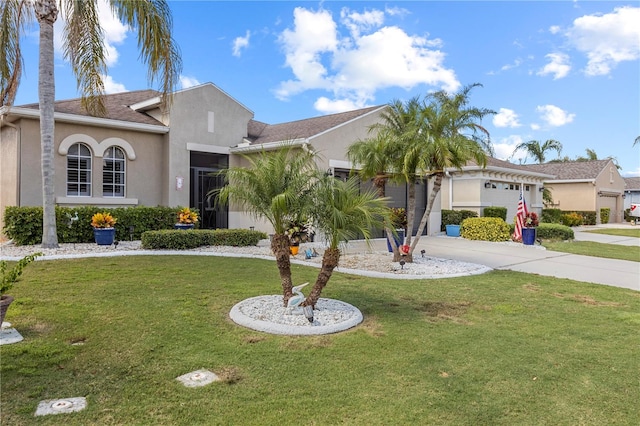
{"x": 47, "y": 12}
{"x": 329, "y": 262}
{"x": 280, "y": 248}
{"x": 437, "y": 184}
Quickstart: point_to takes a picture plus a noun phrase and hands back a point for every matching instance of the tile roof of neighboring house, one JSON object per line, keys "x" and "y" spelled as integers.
{"x": 569, "y": 170}
{"x": 259, "y": 133}
{"x": 117, "y": 106}
{"x": 632, "y": 183}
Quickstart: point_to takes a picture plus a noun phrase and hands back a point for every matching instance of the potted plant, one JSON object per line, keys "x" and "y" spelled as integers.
{"x": 298, "y": 232}
{"x": 104, "y": 230}
{"x": 187, "y": 219}
{"x": 530, "y": 224}
{"x": 399, "y": 223}
{"x": 9, "y": 278}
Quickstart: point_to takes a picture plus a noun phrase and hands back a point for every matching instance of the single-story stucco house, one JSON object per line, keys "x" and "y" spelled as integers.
{"x": 631, "y": 191}
{"x": 585, "y": 186}
{"x": 140, "y": 155}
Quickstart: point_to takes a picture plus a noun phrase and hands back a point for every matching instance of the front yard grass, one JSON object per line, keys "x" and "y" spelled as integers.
{"x": 590, "y": 248}
{"x": 503, "y": 348}
{"x": 622, "y": 232}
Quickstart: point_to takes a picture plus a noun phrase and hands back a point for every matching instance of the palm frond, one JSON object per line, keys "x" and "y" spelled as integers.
{"x": 15, "y": 16}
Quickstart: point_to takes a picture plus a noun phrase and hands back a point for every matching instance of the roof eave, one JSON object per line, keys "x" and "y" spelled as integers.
{"x": 82, "y": 119}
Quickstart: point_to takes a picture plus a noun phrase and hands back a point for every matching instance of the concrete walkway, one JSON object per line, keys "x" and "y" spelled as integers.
{"x": 536, "y": 260}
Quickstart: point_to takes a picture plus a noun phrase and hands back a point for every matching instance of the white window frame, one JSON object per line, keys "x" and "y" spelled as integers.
{"x": 107, "y": 157}
{"x": 88, "y": 171}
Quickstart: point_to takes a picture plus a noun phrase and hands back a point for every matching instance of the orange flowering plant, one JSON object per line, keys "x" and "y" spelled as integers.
{"x": 188, "y": 216}
{"x": 103, "y": 220}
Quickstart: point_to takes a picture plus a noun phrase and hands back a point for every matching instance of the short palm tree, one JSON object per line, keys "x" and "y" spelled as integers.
{"x": 539, "y": 151}
{"x": 276, "y": 186}
{"x": 84, "y": 48}
{"x": 450, "y": 136}
{"x": 343, "y": 213}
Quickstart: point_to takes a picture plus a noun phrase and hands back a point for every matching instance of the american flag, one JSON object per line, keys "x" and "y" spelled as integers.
{"x": 520, "y": 215}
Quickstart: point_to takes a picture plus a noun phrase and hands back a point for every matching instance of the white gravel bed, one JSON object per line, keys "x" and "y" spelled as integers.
{"x": 267, "y": 314}
{"x": 374, "y": 264}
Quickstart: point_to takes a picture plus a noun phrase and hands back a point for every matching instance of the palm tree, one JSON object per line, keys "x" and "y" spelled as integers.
{"x": 276, "y": 186}
{"x": 538, "y": 151}
{"x": 84, "y": 48}
{"x": 342, "y": 213}
{"x": 450, "y": 136}
{"x": 637, "y": 141}
{"x": 593, "y": 156}
{"x": 377, "y": 158}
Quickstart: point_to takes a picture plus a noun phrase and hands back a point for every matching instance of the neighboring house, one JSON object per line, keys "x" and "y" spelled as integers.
{"x": 631, "y": 191}
{"x": 585, "y": 186}
{"x": 497, "y": 185}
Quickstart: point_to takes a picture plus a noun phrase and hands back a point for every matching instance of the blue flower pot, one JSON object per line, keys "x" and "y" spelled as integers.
{"x": 104, "y": 236}
{"x": 398, "y": 239}
{"x": 528, "y": 236}
{"x": 183, "y": 226}
{"x": 453, "y": 230}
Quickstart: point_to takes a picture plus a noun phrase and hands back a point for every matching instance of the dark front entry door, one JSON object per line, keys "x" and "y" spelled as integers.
{"x": 204, "y": 180}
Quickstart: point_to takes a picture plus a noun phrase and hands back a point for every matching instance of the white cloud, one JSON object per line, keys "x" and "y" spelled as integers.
{"x": 240, "y": 43}
{"x": 607, "y": 39}
{"x": 554, "y": 29}
{"x": 111, "y": 86}
{"x": 558, "y": 66}
{"x": 332, "y": 106}
{"x": 186, "y": 81}
{"x": 515, "y": 64}
{"x": 114, "y": 32}
{"x": 504, "y": 150}
{"x": 506, "y": 118}
{"x": 554, "y": 116}
{"x": 353, "y": 67}
{"x": 534, "y": 126}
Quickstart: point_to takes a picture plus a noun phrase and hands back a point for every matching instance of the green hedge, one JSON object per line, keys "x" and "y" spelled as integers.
{"x": 604, "y": 214}
{"x": 554, "y": 231}
{"x": 181, "y": 240}
{"x": 485, "y": 229}
{"x": 455, "y": 217}
{"x": 495, "y": 211}
{"x": 24, "y": 224}
{"x": 551, "y": 216}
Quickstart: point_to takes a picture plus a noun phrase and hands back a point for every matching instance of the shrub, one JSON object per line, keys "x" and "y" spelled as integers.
{"x": 571, "y": 219}
{"x": 551, "y": 216}
{"x": 183, "y": 240}
{"x": 604, "y": 215}
{"x": 455, "y": 217}
{"x": 554, "y": 231}
{"x": 485, "y": 229}
{"x": 495, "y": 211}
{"x": 24, "y": 224}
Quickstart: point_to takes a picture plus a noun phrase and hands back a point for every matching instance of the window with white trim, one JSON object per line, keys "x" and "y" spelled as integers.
{"x": 113, "y": 172}
{"x": 79, "y": 171}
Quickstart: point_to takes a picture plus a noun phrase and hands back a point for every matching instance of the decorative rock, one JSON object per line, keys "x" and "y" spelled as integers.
{"x": 198, "y": 378}
{"x": 59, "y": 406}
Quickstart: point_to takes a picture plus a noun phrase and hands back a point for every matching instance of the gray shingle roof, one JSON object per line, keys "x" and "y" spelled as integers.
{"x": 117, "y": 106}
{"x": 632, "y": 183}
{"x": 571, "y": 169}
{"x": 259, "y": 133}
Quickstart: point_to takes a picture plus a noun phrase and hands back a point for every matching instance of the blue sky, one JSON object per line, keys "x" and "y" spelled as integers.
{"x": 563, "y": 70}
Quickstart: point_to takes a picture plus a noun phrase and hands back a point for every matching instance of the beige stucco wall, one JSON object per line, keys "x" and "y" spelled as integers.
{"x": 203, "y": 118}
{"x": 9, "y": 141}
{"x": 142, "y": 173}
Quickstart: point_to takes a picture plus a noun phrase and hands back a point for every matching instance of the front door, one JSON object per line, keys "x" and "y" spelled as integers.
{"x": 203, "y": 181}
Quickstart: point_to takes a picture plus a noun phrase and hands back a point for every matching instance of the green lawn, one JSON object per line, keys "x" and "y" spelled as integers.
{"x": 503, "y": 348}
{"x": 622, "y": 232}
{"x": 589, "y": 248}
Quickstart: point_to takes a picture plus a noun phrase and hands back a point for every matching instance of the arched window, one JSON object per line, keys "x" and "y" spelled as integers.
{"x": 79, "y": 171}
{"x": 113, "y": 172}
